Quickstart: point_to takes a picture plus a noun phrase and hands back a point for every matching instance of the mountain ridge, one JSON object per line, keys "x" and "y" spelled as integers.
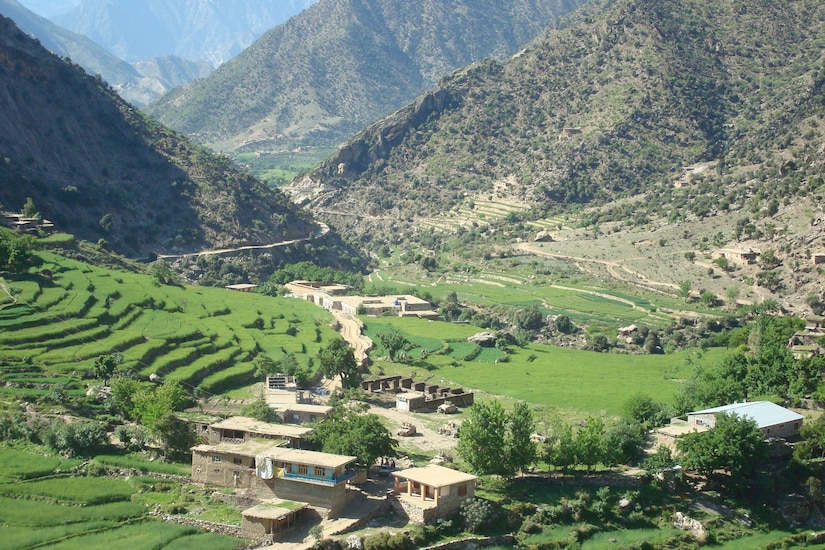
{"x": 363, "y": 59}
{"x": 99, "y": 168}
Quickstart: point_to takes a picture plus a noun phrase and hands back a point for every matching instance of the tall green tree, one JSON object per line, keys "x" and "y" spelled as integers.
{"x": 393, "y": 341}
{"x": 481, "y": 440}
{"x": 518, "y": 447}
{"x": 106, "y": 365}
{"x": 591, "y": 444}
{"x": 559, "y": 447}
{"x": 337, "y": 359}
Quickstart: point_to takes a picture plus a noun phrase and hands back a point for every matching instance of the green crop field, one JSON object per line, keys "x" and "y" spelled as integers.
{"x": 585, "y": 381}
{"x": 40, "y": 506}
{"x": 60, "y": 325}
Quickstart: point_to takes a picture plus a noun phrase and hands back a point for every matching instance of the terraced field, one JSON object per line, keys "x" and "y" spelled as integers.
{"x": 44, "y": 503}
{"x": 56, "y": 326}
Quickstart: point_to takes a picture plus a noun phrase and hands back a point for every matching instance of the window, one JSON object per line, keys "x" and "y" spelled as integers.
{"x": 216, "y": 458}
{"x": 462, "y": 490}
{"x": 320, "y": 471}
{"x": 796, "y": 425}
{"x": 237, "y": 460}
{"x": 303, "y": 469}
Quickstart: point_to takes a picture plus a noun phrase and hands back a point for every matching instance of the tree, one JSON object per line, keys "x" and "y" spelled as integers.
{"x": 355, "y": 434}
{"x": 564, "y": 324}
{"x": 813, "y": 444}
{"x": 105, "y": 366}
{"x": 163, "y": 274}
{"x": 17, "y": 251}
{"x": 175, "y": 436}
{"x": 623, "y": 442}
{"x": 735, "y": 444}
{"x": 644, "y": 410}
{"x": 590, "y": 444}
{"x": 260, "y": 410}
{"x": 153, "y": 403}
{"x": 660, "y": 461}
{"x": 393, "y": 341}
{"x": 529, "y": 319}
{"x": 518, "y": 447}
{"x": 29, "y": 210}
{"x": 337, "y": 359}
{"x": 684, "y": 290}
{"x": 481, "y": 439}
{"x": 559, "y": 445}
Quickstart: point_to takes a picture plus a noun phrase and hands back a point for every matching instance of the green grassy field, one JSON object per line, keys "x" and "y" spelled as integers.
{"x": 585, "y": 381}
{"x": 195, "y": 335}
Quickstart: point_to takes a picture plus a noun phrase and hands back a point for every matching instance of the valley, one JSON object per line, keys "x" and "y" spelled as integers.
{"x": 535, "y": 275}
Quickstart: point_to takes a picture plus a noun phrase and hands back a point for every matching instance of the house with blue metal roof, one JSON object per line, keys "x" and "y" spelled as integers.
{"x": 773, "y": 420}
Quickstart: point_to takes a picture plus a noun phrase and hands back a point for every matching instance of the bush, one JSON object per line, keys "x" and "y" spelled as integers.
{"x": 79, "y": 438}
{"x": 477, "y": 514}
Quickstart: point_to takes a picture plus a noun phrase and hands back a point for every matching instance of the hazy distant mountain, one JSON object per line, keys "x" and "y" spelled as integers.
{"x": 139, "y": 83}
{"x": 198, "y": 30}
{"x": 102, "y": 170}
{"x": 341, "y": 64}
{"x": 50, "y": 8}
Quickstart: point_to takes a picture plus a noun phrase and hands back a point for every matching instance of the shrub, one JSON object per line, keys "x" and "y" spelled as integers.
{"x": 477, "y": 514}
{"x": 83, "y": 438}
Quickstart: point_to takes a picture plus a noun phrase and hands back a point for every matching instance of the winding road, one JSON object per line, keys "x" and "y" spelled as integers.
{"x": 216, "y": 252}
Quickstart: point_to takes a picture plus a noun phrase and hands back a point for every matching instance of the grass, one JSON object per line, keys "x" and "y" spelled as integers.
{"x": 137, "y": 462}
{"x": 590, "y": 382}
{"x": 99, "y": 512}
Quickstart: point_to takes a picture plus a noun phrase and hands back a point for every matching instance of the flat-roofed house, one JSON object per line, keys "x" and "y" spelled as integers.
{"x": 272, "y": 471}
{"x": 228, "y": 464}
{"x": 432, "y": 492}
{"x": 304, "y": 413}
{"x": 773, "y": 420}
{"x": 238, "y": 429}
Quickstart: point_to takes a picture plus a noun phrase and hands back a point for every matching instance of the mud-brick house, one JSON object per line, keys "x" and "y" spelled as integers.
{"x": 773, "y": 420}
{"x": 433, "y": 492}
{"x": 239, "y": 429}
{"x": 270, "y": 471}
{"x": 228, "y": 464}
{"x": 319, "y": 479}
{"x": 304, "y": 413}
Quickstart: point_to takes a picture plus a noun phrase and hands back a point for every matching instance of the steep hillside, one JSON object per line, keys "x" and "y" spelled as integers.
{"x": 612, "y": 104}
{"x": 341, "y": 64}
{"x": 99, "y": 169}
{"x": 197, "y": 30}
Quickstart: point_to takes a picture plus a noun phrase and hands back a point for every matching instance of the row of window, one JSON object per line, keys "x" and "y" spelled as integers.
{"x": 303, "y": 469}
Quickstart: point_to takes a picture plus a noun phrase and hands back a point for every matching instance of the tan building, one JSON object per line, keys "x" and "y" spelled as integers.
{"x": 302, "y": 413}
{"x": 432, "y": 492}
{"x": 239, "y": 429}
{"x": 272, "y": 471}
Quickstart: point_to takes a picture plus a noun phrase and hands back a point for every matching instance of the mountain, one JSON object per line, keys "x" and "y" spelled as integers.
{"x": 98, "y": 168}
{"x": 617, "y": 102}
{"x": 341, "y": 64}
{"x": 197, "y": 30}
{"x": 50, "y": 8}
{"x": 139, "y": 84}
